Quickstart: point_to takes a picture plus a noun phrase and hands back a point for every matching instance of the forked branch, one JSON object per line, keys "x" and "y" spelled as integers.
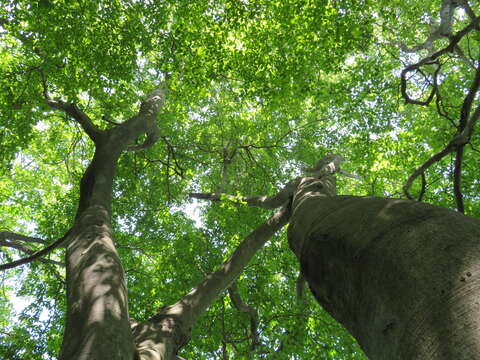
{"x": 467, "y": 121}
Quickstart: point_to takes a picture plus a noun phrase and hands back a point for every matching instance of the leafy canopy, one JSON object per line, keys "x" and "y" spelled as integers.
{"x": 256, "y": 90}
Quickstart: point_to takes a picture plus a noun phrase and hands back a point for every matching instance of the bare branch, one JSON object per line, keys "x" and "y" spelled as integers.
{"x": 36, "y": 255}
{"x": 26, "y": 250}
{"x": 8, "y": 235}
{"x": 71, "y": 109}
{"x": 240, "y": 305}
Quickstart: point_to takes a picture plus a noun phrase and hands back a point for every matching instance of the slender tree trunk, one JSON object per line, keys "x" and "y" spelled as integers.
{"x": 97, "y": 324}
{"x": 403, "y": 277}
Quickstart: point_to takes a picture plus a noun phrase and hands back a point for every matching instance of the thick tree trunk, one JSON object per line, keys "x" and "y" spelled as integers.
{"x": 403, "y": 277}
{"x": 97, "y": 324}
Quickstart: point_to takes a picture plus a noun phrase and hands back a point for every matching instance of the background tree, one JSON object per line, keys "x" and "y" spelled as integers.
{"x": 253, "y": 92}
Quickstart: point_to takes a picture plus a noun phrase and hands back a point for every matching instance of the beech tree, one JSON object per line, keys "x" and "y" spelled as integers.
{"x": 152, "y": 152}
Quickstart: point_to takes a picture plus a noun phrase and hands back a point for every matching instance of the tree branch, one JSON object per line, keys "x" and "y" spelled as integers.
{"x": 17, "y": 246}
{"x": 441, "y": 111}
{"x": 432, "y": 59}
{"x": 240, "y": 305}
{"x": 407, "y": 97}
{"x": 265, "y": 202}
{"x": 199, "y": 299}
{"x": 8, "y": 235}
{"x": 443, "y": 30}
{"x": 74, "y": 111}
{"x": 170, "y": 328}
{"x": 468, "y": 101}
{"x": 419, "y": 171}
{"x": 149, "y": 109}
{"x": 466, "y": 123}
{"x": 36, "y": 255}
{"x": 458, "y": 141}
{"x": 327, "y": 165}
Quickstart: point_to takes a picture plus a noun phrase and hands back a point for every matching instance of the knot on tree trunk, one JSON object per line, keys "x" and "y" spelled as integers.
{"x": 153, "y": 103}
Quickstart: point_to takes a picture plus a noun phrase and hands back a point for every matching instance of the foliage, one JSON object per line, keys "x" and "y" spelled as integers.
{"x": 256, "y": 90}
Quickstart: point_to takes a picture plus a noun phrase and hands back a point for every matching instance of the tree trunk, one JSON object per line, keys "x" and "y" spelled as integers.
{"x": 97, "y": 324}
{"x": 403, "y": 277}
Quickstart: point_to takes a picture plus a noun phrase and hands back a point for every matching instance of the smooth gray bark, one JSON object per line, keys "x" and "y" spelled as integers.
{"x": 98, "y": 326}
{"x": 167, "y": 331}
{"x": 97, "y": 323}
{"x": 403, "y": 277}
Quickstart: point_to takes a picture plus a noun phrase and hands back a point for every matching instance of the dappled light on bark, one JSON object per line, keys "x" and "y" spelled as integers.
{"x": 115, "y": 115}
{"x": 96, "y": 293}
